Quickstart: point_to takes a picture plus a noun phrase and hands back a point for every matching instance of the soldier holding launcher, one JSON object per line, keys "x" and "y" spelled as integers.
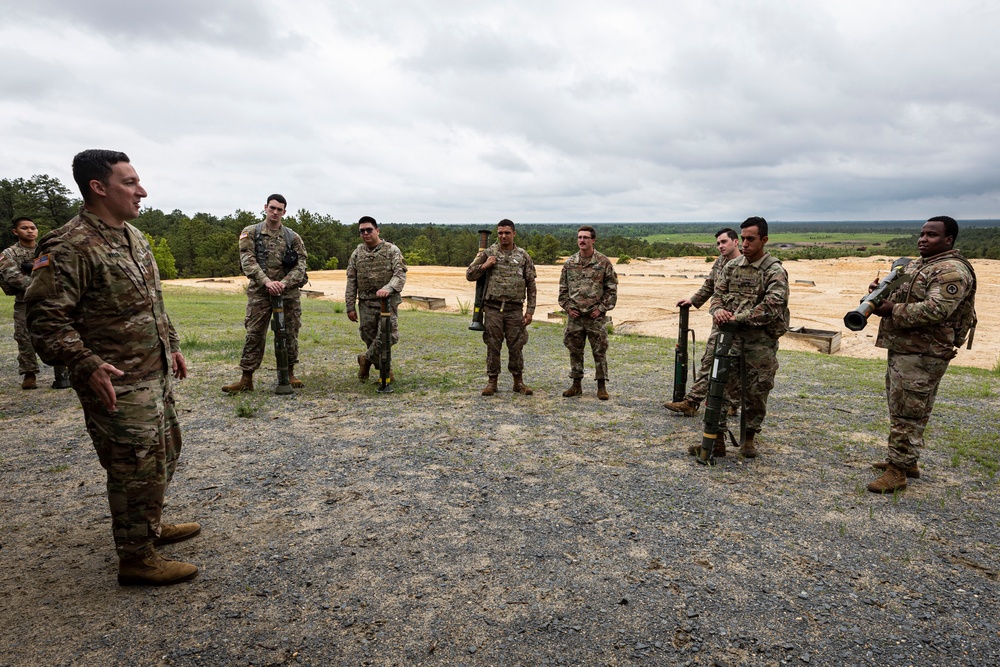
{"x": 729, "y": 249}
{"x": 509, "y": 304}
{"x": 923, "y": 322}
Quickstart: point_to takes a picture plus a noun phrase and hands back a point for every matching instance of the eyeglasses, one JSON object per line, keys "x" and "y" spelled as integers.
{"x": 588, "y": 237}
{"x": 366, "y": 230}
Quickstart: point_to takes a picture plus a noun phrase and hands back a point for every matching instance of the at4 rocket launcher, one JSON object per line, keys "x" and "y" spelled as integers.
{"x": 856, "y": 319}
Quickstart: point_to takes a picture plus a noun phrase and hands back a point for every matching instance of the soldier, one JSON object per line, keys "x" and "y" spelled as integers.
{"x": 376, "y": 269}
{"x": 15, "y": 274}
{"x": 273, "y": 257}
{"x": 588, "y": 288}
{"x": 923, "y": 322}
{"x": 511, "y": 279}
{"x": 752, "y": 293}
{"x": 729, "y": 249}
{"x": 95, "y": 305}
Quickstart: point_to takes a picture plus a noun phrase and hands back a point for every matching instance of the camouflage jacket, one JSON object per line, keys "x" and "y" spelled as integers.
{"x": 755, "y": 293}
{"x": 585, "y": 283}
{"x": 368, "y": 271}
{"x": 11, "y": 260}
{"x": 707, "y": 288}
{"x": 275, "y": 247}
{"x": 512, "y": 278}
{"x": 95, "y": 297}
{"x": 924, "y": 319}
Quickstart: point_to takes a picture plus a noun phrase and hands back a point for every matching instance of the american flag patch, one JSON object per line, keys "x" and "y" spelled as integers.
{"x": 244, "y": 235}
{"x": 40, "y": 263}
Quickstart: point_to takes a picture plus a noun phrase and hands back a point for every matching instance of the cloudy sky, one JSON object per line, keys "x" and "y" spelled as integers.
{"x": 540, "y": 111}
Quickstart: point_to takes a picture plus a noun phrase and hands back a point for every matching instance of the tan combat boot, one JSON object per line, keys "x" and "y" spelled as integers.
{"x": 912, "y": 472}
{"x": 292, "y": 380}
{"x": 152, "y": 569}
{"x": 491, "y": 386}
{"x": 687, "y": 407}
{"x": 748, "y": 449}
{"x": 575, "y": 390}
{"x": 893, "y": 479}
{"x": 602, "y": 390}
{"x": 719, "y": 451}
{"x": 29, "y": 381}
{"x": 170, "y": 532}
{"x": 245, "y": 384}
{"x": 520, "y": 387}
{"x": 364, "y": 366}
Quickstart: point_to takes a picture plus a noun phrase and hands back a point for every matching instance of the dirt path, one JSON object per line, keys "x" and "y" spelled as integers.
{"x": 822, "y": 291}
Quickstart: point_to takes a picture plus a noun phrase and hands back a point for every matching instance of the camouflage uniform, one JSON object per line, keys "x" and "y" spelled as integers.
{"x": 510, "y": 280}
{"x": 757, "y": 296}
{"x": 920, "y": 336}
{"x": 583, "y": 284}
{"x": 259, "y": 299}
{"x": 699, "y": 390}
{"x": 95, "y": 298}
{"x": 10, "y": 265}
{"x": 368, "y": 271}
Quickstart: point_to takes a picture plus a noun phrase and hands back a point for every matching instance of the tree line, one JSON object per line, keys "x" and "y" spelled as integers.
{"x": 205, "y": 245}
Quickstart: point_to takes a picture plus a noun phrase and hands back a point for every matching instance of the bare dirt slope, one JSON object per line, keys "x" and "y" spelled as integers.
{"x": 822, "y": 291}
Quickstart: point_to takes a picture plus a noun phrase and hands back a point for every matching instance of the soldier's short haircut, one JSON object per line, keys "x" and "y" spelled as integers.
{"x": 506, "y": 223}
{"x": 588, "y": 228}
{"x": 758, "y": 222}
{"x": 278, "y": 198}
{"x": 728, "y": 231}
{"x": 94, "y": 164}
{"x": 367, "y": 218}
{"x": 19, "y": 220}
{"x": 950, "y": 225}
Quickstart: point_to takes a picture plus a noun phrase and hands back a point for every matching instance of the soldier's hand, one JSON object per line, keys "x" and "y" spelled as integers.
{"x": 383, "y": 293}
{"x": 526, "y": 320}
{"x": 352, "y": 315}
{"x": 100, "y": 383}
{"x": 573, "y": 313}
{"x": 275, "y": 287}
{"x": 684, "y": 302}
{"x": 884, "y": 309}
{"x": 595, "y": 313}
{"x": 489, "y": 263}
{"x": 179, "y": 365}
{"x": 873, "y": 285}
{"x": 722, "y": 317}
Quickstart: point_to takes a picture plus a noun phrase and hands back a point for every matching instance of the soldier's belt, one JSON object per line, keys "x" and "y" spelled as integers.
{"x": 502, "y": 305}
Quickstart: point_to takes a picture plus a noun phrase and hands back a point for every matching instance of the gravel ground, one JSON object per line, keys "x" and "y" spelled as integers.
{"x": 437, "y": 527}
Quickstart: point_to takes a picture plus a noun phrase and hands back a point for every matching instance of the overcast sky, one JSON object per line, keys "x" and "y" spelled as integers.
{"x": 540, "y": 111}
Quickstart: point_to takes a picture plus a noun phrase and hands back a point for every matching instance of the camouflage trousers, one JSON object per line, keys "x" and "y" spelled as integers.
{"x": 138, "y": 444}
{"x": 578, "y": 331}
{"x": 500, "y": 326}
{"x": 27, "y": 362}
{"x": 761, "y": 356}
{"x": 258, "y": 320}
{"x": 911, "y": 384}
{"x": 369, "y": 321}
{"x": 699, "y": 390}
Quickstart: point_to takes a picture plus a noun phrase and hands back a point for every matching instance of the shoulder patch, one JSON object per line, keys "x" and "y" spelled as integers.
{"x": 951, "y": 288}
{"x": 40, "y": 263}
{"x": 244, "y": 235}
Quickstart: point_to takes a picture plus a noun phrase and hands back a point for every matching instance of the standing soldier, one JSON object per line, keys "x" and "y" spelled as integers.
{"x": 729, "y": 249}
{"x": 95, "y": 304}
{"x": 15, "y": 276}
{"x": 376, "y": 270}
{"x": 511, "y": 279}
{"x": 273, "y": 257}
{"x": 752, "y": 293}
{"x": 923, "y": 322}
{"x": 588, "y": 288}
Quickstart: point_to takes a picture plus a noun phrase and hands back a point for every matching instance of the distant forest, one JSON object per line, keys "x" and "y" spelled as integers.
{"x": 205, "y": 245}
